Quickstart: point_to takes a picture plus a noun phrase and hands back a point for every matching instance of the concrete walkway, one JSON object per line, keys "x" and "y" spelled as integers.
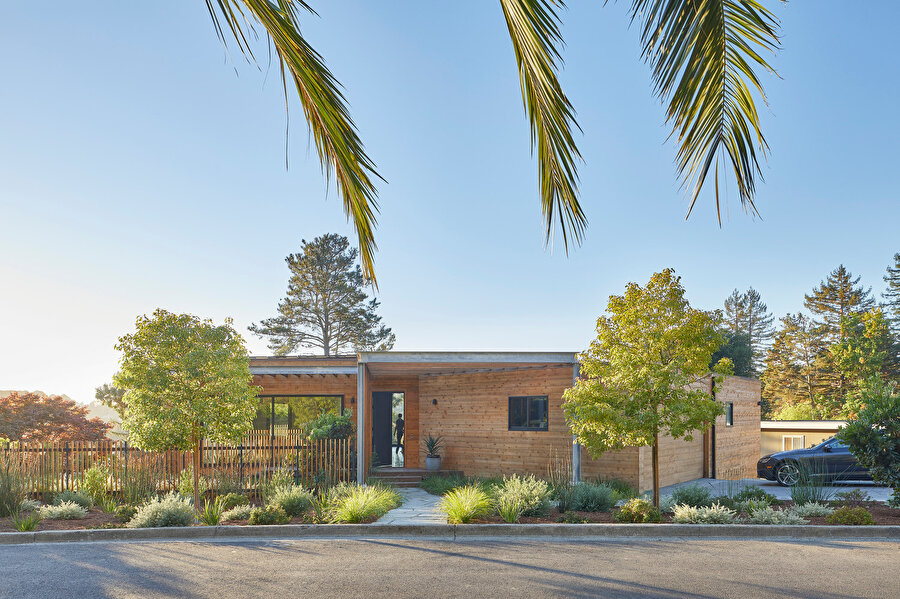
{"x": 419, "y": 507}
{"x": 725, "y": 487}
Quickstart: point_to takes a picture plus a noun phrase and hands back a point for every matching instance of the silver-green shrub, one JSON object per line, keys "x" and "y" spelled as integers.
{"x": 531, "y": 493}
{"x": 812, "y": 510}
{"x": 589, "y": 497}
{"x": 168, "y": 510}
{"x": 67, "y": 510}
{"x": 769, "y": 515}
{"x": 29, "y": 505}
{"x": 73, "y": 497}
{"x": 240, "y": 512}
{"x": 693, "y": 495}
{"x": 714, "y": 514}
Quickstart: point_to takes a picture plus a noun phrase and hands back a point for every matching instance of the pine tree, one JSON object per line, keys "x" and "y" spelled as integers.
{"x": 746, "y": 314}
{"x": 892, "y": 294}
{"x": 325, "y": 307}
{"x": 792, "y": 376}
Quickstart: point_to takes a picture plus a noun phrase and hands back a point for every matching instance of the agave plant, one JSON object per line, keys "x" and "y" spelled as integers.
{"x": 705, "y": 55}
{"x": 433, "y": 445}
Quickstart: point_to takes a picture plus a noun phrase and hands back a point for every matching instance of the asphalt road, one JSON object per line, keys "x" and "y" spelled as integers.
{"x": 690, "y": 569}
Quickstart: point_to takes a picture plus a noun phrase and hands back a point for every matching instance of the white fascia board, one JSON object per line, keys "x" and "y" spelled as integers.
{"x": 427, "y": 357}
{"x": 302, "y": 370}
{"x": 802, "y": 425}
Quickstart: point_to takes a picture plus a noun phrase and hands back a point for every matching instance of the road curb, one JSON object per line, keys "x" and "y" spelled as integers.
{"x": 459, "y": 532}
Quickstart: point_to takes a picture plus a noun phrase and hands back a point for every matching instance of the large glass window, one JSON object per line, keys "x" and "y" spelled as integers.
{"x": 528, "y": 413}
{"x": 294, "y": 412}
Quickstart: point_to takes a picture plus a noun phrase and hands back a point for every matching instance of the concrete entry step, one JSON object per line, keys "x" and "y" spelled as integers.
{"x": 406, "y": 477}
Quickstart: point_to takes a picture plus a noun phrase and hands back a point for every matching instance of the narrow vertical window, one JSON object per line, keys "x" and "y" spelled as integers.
{"x": 729, "y": 414}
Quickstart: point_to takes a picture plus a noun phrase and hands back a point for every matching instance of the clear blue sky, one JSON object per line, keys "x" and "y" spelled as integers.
{"x": 140, "y": 167}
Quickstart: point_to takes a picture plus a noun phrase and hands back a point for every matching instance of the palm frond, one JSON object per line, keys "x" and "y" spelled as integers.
{"x": 703, "y": 54}
{"x": 339, "y": 148}
{"x": 534, "y": 29}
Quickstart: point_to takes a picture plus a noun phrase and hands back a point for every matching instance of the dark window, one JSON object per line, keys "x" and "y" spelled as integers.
{"x": 729, "y": 414}
{"x": 528, "y": 413}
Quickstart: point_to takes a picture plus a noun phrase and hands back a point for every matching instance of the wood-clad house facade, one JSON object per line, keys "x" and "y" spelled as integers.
{"x": 500, "y": 413}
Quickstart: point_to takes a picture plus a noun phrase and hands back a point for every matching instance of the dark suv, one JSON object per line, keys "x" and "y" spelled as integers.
{"x": 829, "y": 460}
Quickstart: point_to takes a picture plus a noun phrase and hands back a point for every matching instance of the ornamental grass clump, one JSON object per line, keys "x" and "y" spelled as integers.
{"x": 851, "y": 516}
{"x": 465, "y": 504}
{"x": 238, "y": 512}
{"x": 439, "y": 485}
{"x": 233, "y": 500}
{"x": 269, "y": 514}
{"x": 67, "y": 510}
{"x": 12, "y": 488}
{"x": 168, "y": 510}
{"x": 714, "y": 514}
{"x": 589, "y": 497}
{"x": 812, "y": 510}
{"x": 295, "y": 501}
{"x": 769, "y": 515}
{"x": 531, "y": 494}
{"x": 363, "y": 503}
{"x": 638, "y": 511}
{"x": 73, "y": 497}
{"x": 26, "y": 523}
{"x": 509, "y": 508}
{"x": 211, "y": 514}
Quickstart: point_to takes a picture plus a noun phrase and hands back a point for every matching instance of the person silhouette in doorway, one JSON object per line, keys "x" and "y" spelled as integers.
{"x": 399, "y": 428}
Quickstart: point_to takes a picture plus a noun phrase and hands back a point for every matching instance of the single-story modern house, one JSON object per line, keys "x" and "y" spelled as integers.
{"x": 784, "y": 435}
{"x": 497, "y": 412}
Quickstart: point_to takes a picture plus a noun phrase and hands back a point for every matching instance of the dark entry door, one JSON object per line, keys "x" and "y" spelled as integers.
{"x": 381, "y": 427}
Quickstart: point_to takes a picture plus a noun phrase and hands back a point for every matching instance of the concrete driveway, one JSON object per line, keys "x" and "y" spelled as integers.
{"x": 725, "y": 487}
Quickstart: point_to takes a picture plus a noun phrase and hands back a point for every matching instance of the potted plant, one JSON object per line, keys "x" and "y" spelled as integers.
{"x": 433, "y": 446}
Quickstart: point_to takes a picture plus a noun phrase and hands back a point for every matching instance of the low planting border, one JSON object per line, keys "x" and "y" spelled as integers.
{"x": 584, "y": 532}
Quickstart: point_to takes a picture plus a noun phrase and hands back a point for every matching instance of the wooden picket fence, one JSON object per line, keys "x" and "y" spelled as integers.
{"x": 53, "y": 467}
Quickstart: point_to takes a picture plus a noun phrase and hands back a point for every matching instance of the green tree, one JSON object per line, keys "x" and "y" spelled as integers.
{"x": 111, "y": 397}
{"x": 737, "y": 349}
{"x": 868, "y": 351}
{"x": 792, "y": 374}
{"x": 747, "y": 314}
{"x": 185, "y": 380}
{"x": 874, "y": 435}
{"x": 326, "y": 306}
{"x": 641, "y": 376}
{"x": 705, "y": 58}
{"x": 892, "y": 293}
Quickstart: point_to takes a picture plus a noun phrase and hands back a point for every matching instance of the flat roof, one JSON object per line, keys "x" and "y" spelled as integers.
{"x": 802, "y": 425}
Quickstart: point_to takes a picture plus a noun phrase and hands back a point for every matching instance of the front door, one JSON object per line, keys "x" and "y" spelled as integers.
{"x": 381, "y": 427}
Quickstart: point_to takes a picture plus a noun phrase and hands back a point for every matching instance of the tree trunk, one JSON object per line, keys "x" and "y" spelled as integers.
{"x": 196, "y": 461}
{"x": 655, "y": 453}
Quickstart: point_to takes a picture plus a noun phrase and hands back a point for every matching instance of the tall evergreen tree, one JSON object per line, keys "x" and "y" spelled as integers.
{"x": 793, "y": 365}
{"x": 737, "y": 349}
{"x": 892, "y": 294}
{"x": 746, "y": 314}
{"x": 325, "y": 307}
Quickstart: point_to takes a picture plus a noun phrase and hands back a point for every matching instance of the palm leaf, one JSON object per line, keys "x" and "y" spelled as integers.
{"x": 534, "y": 29}
{"x": 340, "y": 150}
{"x": 703, "y": 54}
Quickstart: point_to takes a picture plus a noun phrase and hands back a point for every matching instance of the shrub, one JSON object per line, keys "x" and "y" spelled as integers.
{"x": 570, "y": 518}
{"x": 67, "y": 510}
{"x": 563, "y": 495}
{"x": 281, "y": 479}
{"x": 464, "y": 504}
{"x": 29, "y": 505}
{"x": 754, "y": 493}
{"x": 233, "y": 500}
{"x": 12, "y": 488}
{"x": 531, "y": 494}
{"x": 293, "y": 500}
{"x": 238, "y": 512}
{"x": 714, "y": 514}
{"x": 769, "y": 515}
{"x": 622, "y": 489}
{"x": 692, "y": 495}
{"x": 666, "y": 504}
{"x": 124, "y": 513}
{"x": 851, "y": 516}
{"x": 811, "y": 510}
{"x": 332, "y": 426}
{"x": 439, "y": 485}
{"x": 168, "y": 510}
{"x": 211, "y": 514}
{"x": 270, "y": 514}
{"x": 26, "y": 523}
{"x": 593, "y": 498}
{"x": 854, "y": 497}
{"x": 186, "y": 483}
{"x": 362, "y": 503}
{"x": 748, "y": 506}
{"x": 139, "y": 484}
{"x": 94, "y": 483}
{"x": 73, "y": 497}
{"x": 638, "y": 510}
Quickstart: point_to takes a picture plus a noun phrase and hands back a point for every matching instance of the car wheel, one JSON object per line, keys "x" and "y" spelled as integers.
{"x": 787, "y": 474}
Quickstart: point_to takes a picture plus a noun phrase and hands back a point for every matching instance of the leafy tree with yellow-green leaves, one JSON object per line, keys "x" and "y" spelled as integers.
{"x": 185, "y": 380}
{"x": 641, "y": 377}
